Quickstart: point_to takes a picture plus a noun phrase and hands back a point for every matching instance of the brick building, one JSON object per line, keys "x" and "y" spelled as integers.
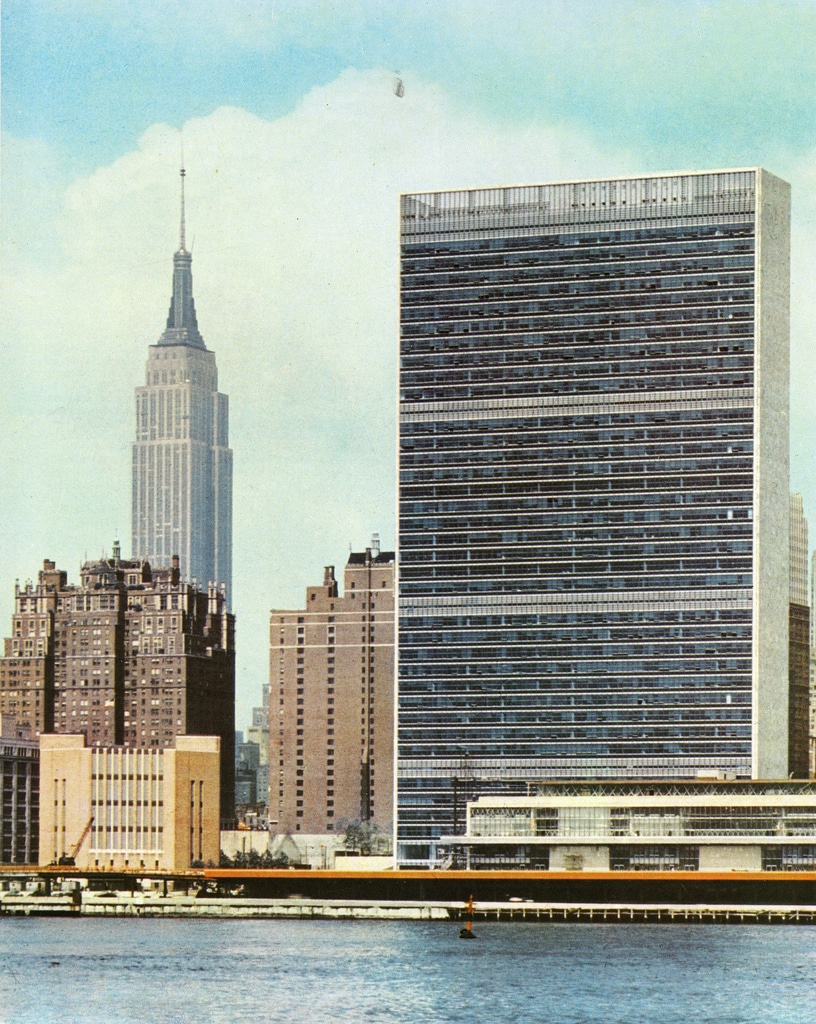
{"x": 131, "y": 657}
{"x": 331, "y": 701}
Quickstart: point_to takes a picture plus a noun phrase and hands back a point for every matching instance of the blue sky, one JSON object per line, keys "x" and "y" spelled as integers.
{"x": 296, "y": 149}
{"x": 670, "y": 78}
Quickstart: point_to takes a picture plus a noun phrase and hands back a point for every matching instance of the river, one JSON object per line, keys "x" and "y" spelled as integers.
{"x": 345, "y": 972}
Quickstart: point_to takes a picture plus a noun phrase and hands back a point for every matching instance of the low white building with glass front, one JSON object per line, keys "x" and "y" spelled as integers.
{"x": 704, "y": 825}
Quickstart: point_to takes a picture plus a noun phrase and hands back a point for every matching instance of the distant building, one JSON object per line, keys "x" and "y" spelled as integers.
{"x": 705, "y": 825}
{"x": 593, "y": 514}
{"x": 798, "y": 546}
{"x": 247, "y": 761}
{"x": 258, "y": 732}
{"x": 331, "y": 720}
{"x": 119, "y": 807}
{"x": 252, "y": 766}
{"x": 19, "y": 793}
{"x": 131, "y": 657}
{"x": 182, "y": 462}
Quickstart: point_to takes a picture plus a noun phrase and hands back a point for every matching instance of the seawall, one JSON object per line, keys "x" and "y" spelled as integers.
{"x": 89, "y": 904}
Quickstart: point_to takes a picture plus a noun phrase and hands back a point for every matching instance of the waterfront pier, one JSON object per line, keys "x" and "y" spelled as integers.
{"x": 663, "y": 896}
{"x": 108, "y": 904}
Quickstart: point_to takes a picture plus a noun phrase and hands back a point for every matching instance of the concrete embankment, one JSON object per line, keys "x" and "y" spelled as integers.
{"x": 125, "y": 905}
{"x": 241, "y": 907}
{"x": 143, "y": 905}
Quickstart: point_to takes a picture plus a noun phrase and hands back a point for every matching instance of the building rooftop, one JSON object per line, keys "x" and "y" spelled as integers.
{"x": 380, "y": 558}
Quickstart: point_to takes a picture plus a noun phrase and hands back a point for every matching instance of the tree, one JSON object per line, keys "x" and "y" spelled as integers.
{"x": 361, "y": 835}
{"x": 253, "y": 859}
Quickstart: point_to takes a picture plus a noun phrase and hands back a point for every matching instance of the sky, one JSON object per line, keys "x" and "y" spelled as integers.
{"x": 296, "y": 148}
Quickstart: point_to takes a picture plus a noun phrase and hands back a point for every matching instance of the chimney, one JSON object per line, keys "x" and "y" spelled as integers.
{"x": 329, "y": 582}
{"x": 375, "y": 545}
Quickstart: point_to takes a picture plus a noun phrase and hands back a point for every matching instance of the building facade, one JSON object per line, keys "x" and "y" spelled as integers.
{"x": 799, "y": 645}
{"x": 798, "y": 551}
{"x": 255, "y": 770}
{"x": 182, "y": 462}
{"x": 331, "y": 700}
{"x": 247, "y": 763}
{"x": 27, "y": 665}
{"x": 812, "y": 730}
{"x": 705, "y": 825}
{"x": 19, "y": 793}
{"x": 130, "y": 657}
{"x": 593, "y": 520}
{"x": 258, "y": 732}
{"x": 139, "y": 807}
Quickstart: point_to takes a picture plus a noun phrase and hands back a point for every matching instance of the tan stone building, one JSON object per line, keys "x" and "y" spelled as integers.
{"x": 132, "y": 656}
{"x": 331, "y": 701}
{"x": 119, "y": 807}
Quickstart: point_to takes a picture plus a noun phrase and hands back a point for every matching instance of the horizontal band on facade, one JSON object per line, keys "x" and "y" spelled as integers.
{"x": 449, "y": 227}
{"x": 591, "y": 283}
{"x": 540, "y": 767}
{"x": 629, "y": 401}
{"x": 646, "y": 199}
{"x": 521, "y": 604}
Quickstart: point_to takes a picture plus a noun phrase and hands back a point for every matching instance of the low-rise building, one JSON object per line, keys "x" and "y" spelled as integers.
{"x": 120, "y": 807}
{"x": 705, "y": 825}
{"x": 19, "y": 793}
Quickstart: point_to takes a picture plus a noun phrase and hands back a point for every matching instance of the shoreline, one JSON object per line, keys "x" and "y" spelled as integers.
{"x": 209, "y": 907}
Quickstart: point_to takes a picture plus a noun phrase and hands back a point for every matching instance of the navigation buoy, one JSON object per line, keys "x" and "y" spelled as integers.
{"x": 467, "y": 931}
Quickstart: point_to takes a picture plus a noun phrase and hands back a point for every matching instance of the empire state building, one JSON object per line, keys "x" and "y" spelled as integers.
{"x": 182, "y": 462}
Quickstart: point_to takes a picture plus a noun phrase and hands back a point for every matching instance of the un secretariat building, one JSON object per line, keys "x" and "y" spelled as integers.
{"x": 593, "y": 503}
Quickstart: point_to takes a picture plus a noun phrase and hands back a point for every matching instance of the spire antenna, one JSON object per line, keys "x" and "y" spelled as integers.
{"x": 182, "y": 247}
{"x": 182, "y": 328}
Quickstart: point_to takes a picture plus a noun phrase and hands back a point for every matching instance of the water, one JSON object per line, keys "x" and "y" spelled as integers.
{"x": 363, "y": 972}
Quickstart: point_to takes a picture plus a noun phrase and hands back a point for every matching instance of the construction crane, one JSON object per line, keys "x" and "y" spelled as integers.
{"x": 69, "y": 859}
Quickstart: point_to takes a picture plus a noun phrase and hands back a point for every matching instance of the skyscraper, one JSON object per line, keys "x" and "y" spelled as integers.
{"x": 182, "y": 463}
{"x": 593, "y": 546}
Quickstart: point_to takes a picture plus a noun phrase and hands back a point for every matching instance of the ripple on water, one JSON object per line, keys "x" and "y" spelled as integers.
{"x": 325, "y": 972}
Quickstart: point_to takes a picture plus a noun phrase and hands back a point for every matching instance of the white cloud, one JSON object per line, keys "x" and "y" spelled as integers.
{"x": 294, "y": 227}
